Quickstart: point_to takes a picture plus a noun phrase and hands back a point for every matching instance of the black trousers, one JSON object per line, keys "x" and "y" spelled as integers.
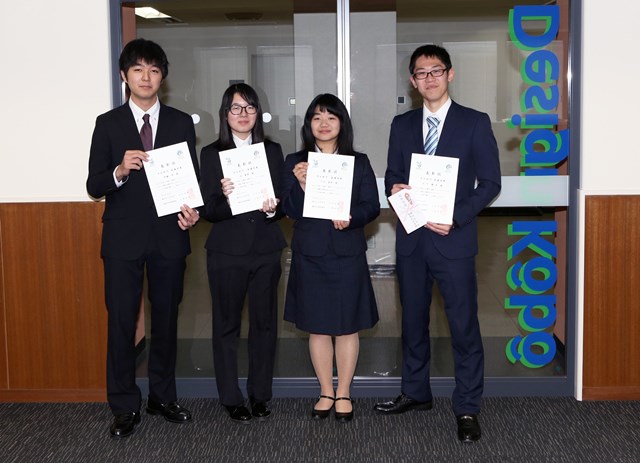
{"x": 123, "y": 290}
{"x": 231, "y": 280}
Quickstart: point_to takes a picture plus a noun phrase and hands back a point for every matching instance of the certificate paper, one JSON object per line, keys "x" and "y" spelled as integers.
{"x": 172, "y": 179}
{"x": 405, "y": 206}
{"x": 328, "y": 187}
{"x": 433, "y": 181}
{"x": 248, "y": 169}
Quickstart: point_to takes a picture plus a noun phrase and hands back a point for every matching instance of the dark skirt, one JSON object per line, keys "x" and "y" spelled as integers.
{"x": 330, "y": 294}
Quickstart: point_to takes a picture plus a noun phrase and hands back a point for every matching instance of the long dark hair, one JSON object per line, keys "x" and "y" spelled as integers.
{"x": 332, "y": 104}
{"x": 225, "y": 138}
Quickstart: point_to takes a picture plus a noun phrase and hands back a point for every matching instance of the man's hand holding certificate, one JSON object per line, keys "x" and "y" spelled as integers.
{"x": 433, "y": 181}
{"x": 328, "y": 186}
{"x": 172, "y": 179}
{"x": 248, "y": 168}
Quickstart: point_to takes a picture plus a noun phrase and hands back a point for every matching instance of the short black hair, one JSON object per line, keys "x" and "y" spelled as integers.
{"x": 429, "y": 51}
{"x": 332, "y": 104}
{"x": 143, "y": 50}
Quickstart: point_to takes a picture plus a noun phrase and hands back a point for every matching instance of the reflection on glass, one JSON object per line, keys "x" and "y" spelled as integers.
{"x": 286, "y": 50}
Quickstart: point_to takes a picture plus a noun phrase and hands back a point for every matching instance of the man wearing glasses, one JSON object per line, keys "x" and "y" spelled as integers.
{"x": 441, "y": 252}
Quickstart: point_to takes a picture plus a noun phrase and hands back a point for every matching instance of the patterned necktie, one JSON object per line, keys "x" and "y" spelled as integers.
{"x": 431, "y": 141}
{"x": 145, "y": 134}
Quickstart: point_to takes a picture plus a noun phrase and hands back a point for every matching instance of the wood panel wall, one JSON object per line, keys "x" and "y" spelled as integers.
{"x": 612, "y": 298}
{"x": 53, "y": 317}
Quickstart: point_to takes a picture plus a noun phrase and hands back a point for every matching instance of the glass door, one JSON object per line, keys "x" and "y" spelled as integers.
{"x": 291, "y": 50}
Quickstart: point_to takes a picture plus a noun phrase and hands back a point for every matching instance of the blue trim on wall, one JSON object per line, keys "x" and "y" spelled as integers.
{"x": 115, "y": 13}
{"x": 575, "y": 95}
{"x": 389, "y": 387}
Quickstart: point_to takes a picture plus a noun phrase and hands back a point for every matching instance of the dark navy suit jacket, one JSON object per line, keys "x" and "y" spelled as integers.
{"x": 466, "y": 135}
{"x": 317, "y": 237}
{"x": 130, "y": 216}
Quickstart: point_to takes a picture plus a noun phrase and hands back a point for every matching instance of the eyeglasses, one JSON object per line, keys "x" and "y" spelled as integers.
{"x": 421, "y": 75}
{"x": 236, "y": 109}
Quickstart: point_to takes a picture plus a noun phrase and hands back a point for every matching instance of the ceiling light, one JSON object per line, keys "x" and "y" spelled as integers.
{"x": 150, "y": 13}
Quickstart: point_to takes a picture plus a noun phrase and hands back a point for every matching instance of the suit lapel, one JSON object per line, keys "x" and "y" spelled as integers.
{"x": 448, "y": 130}
{"x": 417, "y": 142}
{"x": 164, "y": 128}
{"x": 128, "y": 128}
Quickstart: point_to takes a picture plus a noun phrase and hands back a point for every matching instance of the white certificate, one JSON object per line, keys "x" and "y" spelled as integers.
{"x": 328, "y": 187}
{"x": 433, "y": 181}
{"x": 248, "y": 169}
{"x": 405, "y": 206}
{"x": 172, "y": 179}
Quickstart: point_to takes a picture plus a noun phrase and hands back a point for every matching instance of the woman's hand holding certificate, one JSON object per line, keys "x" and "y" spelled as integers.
{"x": 249, "y": 180}
{"x": 329, "y": 180}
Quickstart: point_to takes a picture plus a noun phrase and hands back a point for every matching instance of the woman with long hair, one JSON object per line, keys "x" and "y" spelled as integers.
{"x": 243, "y": 258}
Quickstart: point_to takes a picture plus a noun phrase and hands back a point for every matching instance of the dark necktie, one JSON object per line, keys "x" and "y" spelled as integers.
{"x": 145, "y": 134}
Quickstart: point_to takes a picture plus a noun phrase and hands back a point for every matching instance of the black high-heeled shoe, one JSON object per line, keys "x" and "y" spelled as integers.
{"x": 322, "y": 414}
{"x": 344, "y": 417}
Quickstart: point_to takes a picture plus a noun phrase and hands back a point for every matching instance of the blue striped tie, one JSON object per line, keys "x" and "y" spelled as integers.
{"x": 431, "y": 142}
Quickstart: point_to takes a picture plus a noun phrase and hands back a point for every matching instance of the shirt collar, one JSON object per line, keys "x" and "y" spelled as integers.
{"x": 138, "y": 112}
{"x": 240, "y": 142}
{"x": 441, "y": 113}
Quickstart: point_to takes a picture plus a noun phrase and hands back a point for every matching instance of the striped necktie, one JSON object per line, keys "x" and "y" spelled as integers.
{"x": 431, "y": 141}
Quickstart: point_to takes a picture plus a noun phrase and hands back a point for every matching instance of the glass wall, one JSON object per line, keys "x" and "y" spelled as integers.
{"x": 290, "y": 50}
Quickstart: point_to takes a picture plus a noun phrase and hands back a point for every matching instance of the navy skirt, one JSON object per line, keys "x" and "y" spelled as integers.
{"x": 330, "y": 294}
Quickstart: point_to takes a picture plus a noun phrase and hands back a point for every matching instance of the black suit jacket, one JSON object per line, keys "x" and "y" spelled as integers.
{"x": 317, "y": 237}
{"x": 240, "y": 234}
{"x": 466, "y": 135}
{"x": 130, "y": 216}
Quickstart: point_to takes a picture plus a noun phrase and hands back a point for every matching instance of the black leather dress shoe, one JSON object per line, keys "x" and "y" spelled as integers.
{"x": 173, "y": 411}
{"x": 259, "y": 409}
{"x": 402, "y": 404}
{"x": 468, "y": 428}
{"x": 124, "y": 424}
{"x": 239, "y": 414}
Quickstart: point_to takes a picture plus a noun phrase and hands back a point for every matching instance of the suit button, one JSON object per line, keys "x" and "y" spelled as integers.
{"x": 251, "y": 220}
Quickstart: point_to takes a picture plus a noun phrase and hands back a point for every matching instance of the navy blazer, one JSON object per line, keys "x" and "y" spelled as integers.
{"x": 130, "y": 216}
{"x": 466, "y": 135}
{"x": 317, "y": 237}
{"x": 240, "y": 234}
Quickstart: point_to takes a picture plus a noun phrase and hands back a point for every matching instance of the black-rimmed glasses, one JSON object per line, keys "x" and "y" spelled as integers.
{"x": 421, "y": 75}
{"x": 236, "y": 109}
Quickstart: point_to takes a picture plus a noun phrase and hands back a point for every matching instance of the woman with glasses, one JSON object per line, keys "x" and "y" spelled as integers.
{"x": 329, "y": 294}
{"x": 243, "y": 259}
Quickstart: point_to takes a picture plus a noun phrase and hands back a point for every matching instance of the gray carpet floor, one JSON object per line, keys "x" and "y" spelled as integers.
{"x": 514, "y": 430}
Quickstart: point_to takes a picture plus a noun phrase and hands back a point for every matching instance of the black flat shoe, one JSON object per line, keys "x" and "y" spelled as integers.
{"x": 239, "y": 414}
{"x": 259, "y": 409}
{"x": 124, "y": 424}
{"x": 322, "y": 414}
{"x": 344, "y": 417}
{"x": 401, "y": 404}
{"x": 173, "y": 411}
{"x": 468, "y": 428}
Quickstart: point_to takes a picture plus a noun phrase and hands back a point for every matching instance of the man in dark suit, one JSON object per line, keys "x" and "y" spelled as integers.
{"x": 442, "y": 252}
{"x": 134, "y": 237}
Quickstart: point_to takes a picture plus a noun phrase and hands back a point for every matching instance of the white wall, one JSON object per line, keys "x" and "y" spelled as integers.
{"x": 610, "y": 160}
{"x": 55, "y": 74}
